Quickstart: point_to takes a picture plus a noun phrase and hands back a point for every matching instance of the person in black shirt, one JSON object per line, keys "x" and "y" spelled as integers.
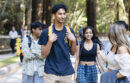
{"x": 85, "y": 61}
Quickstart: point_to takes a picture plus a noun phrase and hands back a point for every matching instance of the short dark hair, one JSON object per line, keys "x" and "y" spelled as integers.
{"x": 35, "y": 25}
{"x": 56, "y": 7}
{"x": 123, "y": 23}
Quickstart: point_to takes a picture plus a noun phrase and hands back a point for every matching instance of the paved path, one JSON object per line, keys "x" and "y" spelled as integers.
{"x": 5, "y": 56}
{"x": 14, "y": 77}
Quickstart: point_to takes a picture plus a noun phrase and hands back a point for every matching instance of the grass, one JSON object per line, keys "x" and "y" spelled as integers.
{"x": 9, "y": 61}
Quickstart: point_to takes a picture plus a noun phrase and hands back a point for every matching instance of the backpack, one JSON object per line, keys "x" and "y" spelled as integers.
{"x": 29, "y": 45}
{"x": 51, "y": 31}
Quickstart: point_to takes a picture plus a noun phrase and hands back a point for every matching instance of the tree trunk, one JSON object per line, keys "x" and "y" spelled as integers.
{"x": 91, "y": 6}
{"x": 36, "y": 10}
{"x": 129, "y": 20}
{"x": 127, "y": 7}
{"x": 27, "y": 17}
{"x": 46, "y": 16}
{"x": 3, "y": 9}
{"x": 117, "y": 14}
{"x": 28, "y": 14}
{"x": 44, "y": 12}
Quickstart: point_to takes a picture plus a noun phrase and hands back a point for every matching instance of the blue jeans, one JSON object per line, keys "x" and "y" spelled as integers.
{"x": 32, "y": 79}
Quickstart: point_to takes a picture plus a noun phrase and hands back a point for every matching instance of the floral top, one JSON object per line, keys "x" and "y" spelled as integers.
{"x": 32, "y": 55}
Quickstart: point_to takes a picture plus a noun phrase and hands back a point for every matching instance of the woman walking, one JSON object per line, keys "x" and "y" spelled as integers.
{"x": 86, "y": 60}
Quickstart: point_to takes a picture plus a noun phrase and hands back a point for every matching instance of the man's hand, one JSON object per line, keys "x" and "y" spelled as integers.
{"x": 70, "y": 36}
{"x": 53, "y": 38}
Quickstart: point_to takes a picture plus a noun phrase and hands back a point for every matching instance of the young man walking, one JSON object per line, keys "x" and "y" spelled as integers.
{"x": 33, "y": 63}
{"x": 56, "y": 48}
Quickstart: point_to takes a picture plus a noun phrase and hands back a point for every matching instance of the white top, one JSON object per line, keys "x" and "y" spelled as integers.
{"x": 35, "y": 61}
{"x": 119, "y": 62}
{"x": 13, "y": 34}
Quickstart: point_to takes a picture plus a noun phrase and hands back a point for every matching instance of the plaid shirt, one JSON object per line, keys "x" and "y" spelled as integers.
{"x": 31, "y": 54}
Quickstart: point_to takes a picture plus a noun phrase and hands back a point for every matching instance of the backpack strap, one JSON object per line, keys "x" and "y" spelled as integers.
{"x": 50, "y": 30}
{"x": 116, "y": 50}
{"x": 81, "y": 47}
{"x": 29, "y": 41}
{"x": 68, "y": 29}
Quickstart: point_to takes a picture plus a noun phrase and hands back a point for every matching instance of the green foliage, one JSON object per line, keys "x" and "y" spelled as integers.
{"x": 106, "y": 14}
{"x": 12, "y": 12}
{"x": 76, "y": 15}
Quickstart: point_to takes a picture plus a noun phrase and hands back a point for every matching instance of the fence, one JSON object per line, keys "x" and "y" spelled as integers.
{"x": 5, "y": 44}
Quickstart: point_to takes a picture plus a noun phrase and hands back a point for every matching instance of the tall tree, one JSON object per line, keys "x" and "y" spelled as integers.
{"x": 129, "y": 14}
{"x": 91, "y": 6}
{"x": 46, "y": 16}
{"x": 28, "y": 13}
{"x": 127, "y": 7}
{"x": 36, "y": 10}
{"x": 117, "y": 9}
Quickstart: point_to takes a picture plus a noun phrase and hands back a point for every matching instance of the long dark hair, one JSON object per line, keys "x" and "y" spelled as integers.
{"x": 95, "y": 39}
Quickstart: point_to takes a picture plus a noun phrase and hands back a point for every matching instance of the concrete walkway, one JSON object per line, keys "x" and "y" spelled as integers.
{"x": 5, "y": 71}
{"x": 5, "y": 56}
{"x": 14, "y": 77}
